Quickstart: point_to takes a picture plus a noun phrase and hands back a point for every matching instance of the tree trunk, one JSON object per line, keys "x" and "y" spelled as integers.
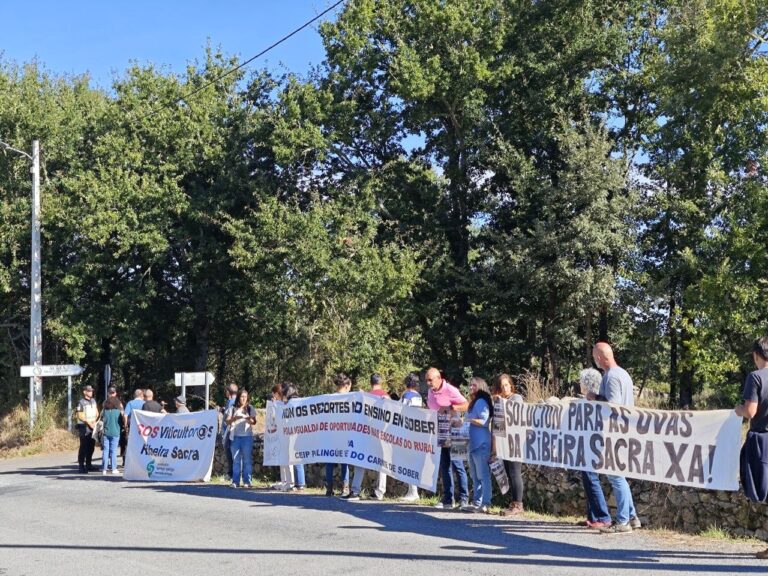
{"x": 588, "y": 340}
{"x": 201, "y": 332}
{"x": 603, "y": 323}
{"x": 672, "y": 327}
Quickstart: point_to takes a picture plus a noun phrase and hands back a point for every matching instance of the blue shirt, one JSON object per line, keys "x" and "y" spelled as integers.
{"x": 134, "y": 404}
{"x": 479, "y": 435}
{"x": 616, "y": 387}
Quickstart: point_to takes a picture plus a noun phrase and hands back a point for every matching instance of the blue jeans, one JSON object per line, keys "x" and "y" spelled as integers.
{"x": 329, "y": 468}
{"x": 445, "y": 473}
{"x": 625, "y": 506}
{"x": 109, "y": 448}
{"x": 242, "y": 459}
{"x": 298, "y": 476}
{"x": 597, "y": 509}
{"x": 482, "y": 489}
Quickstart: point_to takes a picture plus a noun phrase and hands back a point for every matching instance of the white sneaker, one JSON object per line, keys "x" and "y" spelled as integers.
{"x": 409, "y": 498}
{"x": 103, "y": 472}
{"x": 116, "y": 472}
{"x": 278, "y": 485}
{"x": 378, "y": 495}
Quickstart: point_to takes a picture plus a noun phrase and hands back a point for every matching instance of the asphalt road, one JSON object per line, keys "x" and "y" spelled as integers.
{"x": 54, "y": 521}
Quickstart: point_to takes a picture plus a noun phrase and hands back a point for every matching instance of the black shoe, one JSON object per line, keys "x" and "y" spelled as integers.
{"x": 351, "y": 497}
{"x": 329, "y": 492}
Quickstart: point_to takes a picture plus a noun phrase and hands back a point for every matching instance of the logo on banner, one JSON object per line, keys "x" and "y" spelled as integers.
{"x": 150, "y": 468}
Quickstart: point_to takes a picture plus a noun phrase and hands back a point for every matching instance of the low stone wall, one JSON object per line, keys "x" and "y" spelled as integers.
{"x": 560, "y": 492}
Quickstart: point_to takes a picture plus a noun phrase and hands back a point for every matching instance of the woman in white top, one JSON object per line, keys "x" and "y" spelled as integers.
{"x": 240, "y": 420}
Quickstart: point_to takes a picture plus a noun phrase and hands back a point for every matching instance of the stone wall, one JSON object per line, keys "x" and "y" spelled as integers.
{"x": 658, "y": 505}
{"x": 560, "y": 492}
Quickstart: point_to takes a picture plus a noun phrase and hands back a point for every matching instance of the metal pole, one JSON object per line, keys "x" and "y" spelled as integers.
{"x": 183, "y": 386}
{"x": 207, "y": 388}
{"x": 69, "y": 403}
{"x": 36, "y": 319}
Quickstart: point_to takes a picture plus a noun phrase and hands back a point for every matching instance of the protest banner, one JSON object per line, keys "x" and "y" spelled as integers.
{"x": 500, "y": 473}
{"x": 171, "y": 447}
{"x": 680, "y": 447}
{"x": 460, "y": 442}
{"x": 356, "y": 428}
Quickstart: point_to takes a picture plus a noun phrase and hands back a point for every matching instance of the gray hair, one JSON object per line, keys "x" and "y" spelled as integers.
{"x": 589, "y": 380}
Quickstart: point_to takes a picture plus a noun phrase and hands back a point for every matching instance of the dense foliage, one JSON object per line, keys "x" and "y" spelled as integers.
{"x": 485, "y": 186}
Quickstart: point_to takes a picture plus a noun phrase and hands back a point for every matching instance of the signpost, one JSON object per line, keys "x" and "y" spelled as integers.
{"x": 55, "y": 371}
{"x": 184, "y": 379}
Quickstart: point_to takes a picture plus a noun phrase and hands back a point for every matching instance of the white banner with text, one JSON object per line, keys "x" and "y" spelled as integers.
{"x": 355, "y": 428}
{"x": 171, "y": 447}
{"x": 680, "y": 447}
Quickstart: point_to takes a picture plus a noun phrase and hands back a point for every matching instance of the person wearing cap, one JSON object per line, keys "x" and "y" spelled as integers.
{"x": 181, "y": 405}
{"x": 86, "y": 414}
{"x": 377, "y": 389}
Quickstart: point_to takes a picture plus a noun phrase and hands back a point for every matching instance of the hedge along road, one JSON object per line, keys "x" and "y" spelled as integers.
{"x": 54, "y": 521}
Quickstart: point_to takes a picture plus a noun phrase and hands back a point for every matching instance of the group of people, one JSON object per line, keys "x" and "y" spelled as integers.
{"x": 613, "y": 385}
{"x": 114, "y": 420}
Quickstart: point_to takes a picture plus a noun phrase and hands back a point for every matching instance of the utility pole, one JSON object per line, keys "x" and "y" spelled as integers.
{"x": 36, "y": 315}
{"x": 35, "y": 311}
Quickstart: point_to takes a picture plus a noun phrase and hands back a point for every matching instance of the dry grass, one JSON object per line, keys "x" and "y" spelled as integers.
{"x": 533, "y": 388}
{"x": 48, "y": 435}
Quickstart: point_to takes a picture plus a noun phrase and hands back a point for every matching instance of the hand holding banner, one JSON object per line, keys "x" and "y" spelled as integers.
{"x": 356, "y": 428}
{"x": 171, "y": 447}
{"x": 684, "y": 448}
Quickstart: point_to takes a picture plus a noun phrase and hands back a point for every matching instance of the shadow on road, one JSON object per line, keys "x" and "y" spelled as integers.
{"x": 479, "y": 538}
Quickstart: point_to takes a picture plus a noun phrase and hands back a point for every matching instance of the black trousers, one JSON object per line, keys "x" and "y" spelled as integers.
{"x": 515, "y": 473}
{"x": 85, "y": 452}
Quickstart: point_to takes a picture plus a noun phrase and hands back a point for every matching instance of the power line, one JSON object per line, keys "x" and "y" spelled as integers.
{"x": 239, "y": 66}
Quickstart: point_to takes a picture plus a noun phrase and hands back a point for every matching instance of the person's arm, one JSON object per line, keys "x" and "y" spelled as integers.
{"x": 230, "y": 416}
{"x": 746, "y": 410}
{"x": 484, "y": 415}
{"x": 80, "y": 414}
{"x": 749, "y": 396}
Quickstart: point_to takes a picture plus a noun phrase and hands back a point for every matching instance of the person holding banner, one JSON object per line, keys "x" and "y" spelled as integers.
{"x": 343, "y": 385}
{"x": 444, "y": 397}
{"x": 231, "y": 395}
{"x": 505, "y": 388}
{"x": 294, "y": 476}
{"x": 377, "y": 390}
{"x": 479, "y": 414}
{"x": 753, "y": 467}
{"x": 240, "y": 420}
{"x": 616, "y": 388}
{"x": 411, "y": 397}
{"x": 598, "y": 515}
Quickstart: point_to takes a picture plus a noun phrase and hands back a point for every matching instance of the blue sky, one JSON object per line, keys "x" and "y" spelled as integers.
{"x": 103, "y": 37}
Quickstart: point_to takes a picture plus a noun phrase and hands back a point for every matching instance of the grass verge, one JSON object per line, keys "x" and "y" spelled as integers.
{"x": 48, "y": 435}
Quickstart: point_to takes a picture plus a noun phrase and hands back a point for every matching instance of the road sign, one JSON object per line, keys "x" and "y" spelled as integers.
{"x": 185, "y": 379}
{"x": 194, "y": 378}
{"x": 51, "y": 370}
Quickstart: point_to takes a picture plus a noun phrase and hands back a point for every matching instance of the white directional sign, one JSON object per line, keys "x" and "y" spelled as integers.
{"x": 185, "y": 379}
{"x": 51, "y": 370}
{"x": 194, "y": 378}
